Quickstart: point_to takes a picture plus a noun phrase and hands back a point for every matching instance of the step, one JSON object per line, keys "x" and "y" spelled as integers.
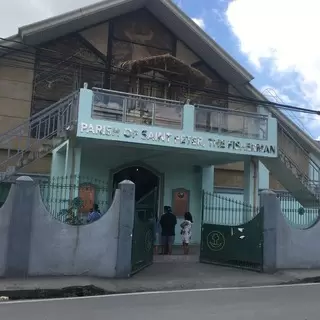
{"x": 303, "y": 193}
{"x": 175, "y": 258}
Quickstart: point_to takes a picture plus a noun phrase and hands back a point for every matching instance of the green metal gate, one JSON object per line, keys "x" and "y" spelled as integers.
{"x": 231, "y": 233}
{"x": 143, "y": 232}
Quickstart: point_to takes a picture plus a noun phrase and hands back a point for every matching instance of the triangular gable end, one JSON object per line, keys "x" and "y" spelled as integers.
{"x": 167, "y": 13}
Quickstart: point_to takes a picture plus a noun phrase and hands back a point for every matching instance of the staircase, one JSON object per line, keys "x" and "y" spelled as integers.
{"x": 38, "y": 135}
{"x": 301, "y": 180}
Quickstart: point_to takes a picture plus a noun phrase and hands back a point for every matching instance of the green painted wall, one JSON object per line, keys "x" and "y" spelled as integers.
{"x": 175, "y": 175}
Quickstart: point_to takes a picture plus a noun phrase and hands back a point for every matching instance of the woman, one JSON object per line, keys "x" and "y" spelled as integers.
{"x": 186, "y": 233}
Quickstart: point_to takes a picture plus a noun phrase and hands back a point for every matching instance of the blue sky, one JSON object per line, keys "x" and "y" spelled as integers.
{"x": 268, "y": 59}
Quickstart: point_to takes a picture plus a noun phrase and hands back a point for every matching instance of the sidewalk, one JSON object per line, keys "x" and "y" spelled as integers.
{"x": 163, "y": 276}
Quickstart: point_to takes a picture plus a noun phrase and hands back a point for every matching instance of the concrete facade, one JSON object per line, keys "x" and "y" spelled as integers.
{"x": 32, "y": 243}
{"x": 286, "y": 246}
{"x": 18, "y": 82}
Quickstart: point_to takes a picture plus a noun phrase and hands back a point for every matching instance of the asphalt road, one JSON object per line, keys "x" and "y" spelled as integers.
{"x": 283, "y": 303}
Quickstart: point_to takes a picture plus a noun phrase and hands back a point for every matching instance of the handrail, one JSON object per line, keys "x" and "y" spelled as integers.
{"x": 306, "y": 155}
{"x": 146, "y": 195}
{"x": 38, "y": 115}
{"x": 120, "y": 93}
{"x": 231, "y": 111}
{"x": 53, "y": 122}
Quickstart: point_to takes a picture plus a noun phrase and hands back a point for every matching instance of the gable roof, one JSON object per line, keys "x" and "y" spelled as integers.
{"x": 175, "y": 20}
{"x": 165, "y": 11}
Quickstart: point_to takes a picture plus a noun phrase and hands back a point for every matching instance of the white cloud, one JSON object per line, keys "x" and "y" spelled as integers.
{"x": 282, "y": 35}
{"x": 199, "y": 22}
{"x": 16, "y": 13}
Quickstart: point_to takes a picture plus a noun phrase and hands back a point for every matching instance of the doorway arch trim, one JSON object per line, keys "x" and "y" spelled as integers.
{"x": 141, "y": 164}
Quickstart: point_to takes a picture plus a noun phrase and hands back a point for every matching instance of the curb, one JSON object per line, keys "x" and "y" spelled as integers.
{"x": 67, "y": 292}
{"x": 92, "y": 290}
{"x": 304, "y": 280}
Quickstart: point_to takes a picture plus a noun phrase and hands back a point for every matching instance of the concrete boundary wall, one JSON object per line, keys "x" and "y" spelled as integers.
{"x": 285, "y": 246}
{"x": 33, "y": 243}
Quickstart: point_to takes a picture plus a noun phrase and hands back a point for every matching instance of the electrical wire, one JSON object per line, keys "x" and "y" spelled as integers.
{"x": 217, "y": 93}
{"x": 103, "y": 69}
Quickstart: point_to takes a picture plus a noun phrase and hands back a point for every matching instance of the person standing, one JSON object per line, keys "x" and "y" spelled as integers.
{"x": 168, "y": 223}
{"x": 186, "y": 233}
{"x": 94, "y": 214}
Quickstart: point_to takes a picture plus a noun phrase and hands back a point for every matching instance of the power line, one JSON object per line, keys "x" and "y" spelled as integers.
{"x": 80, "y": 63}
{"x": 207, "y": 90}
{"x": 218, "y": 94}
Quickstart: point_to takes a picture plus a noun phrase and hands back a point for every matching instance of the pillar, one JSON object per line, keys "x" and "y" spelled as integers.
{"x": 20, "y": 210}
{"x": 251, "y": 185}
{"x": 208, "y": 179}
{"x": 188, "y": 117}
{"x": 73, "y": 159}
{"x": 126, "y": 224}
{"x": 270, "y": 210}
{"x": 72, "y": 169}
{"x": 58, "y": 163}
{"x": 264, "y": 176}
{"x": 207, "y": 186}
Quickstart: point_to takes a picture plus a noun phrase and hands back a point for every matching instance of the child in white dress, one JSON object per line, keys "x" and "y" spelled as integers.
{"x": 186, "y": 233}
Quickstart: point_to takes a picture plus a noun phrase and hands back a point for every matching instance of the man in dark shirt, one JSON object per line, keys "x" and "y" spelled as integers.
{"x": 168, "y": 223}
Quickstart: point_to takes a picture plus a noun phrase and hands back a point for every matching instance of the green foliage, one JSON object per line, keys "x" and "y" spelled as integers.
{"x": 71, "y": 214}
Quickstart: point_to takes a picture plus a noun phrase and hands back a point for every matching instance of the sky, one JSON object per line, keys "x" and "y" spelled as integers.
{"x": 275, "y": 40}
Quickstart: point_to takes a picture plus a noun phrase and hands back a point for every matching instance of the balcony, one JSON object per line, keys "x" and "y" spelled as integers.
{"x": 231, "y": 122}
{"x": 137, "y": 109}
{"x": 126, "y": 117}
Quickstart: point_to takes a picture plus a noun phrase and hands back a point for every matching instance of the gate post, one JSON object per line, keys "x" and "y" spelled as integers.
{"x": 20, "y": 227}
{"x": 126, "y": 220}
{"x": 269, "y": 208}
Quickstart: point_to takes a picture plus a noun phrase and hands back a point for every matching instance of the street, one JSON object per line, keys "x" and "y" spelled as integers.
{"x": 294, "y": 302}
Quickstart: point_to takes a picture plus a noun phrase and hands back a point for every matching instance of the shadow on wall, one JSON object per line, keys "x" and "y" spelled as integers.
{"x": 33, "y": 243}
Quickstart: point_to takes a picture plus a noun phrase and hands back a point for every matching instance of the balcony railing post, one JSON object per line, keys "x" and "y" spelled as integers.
{"x": 124, "y": 110}
{"x": 246, "y": 126}
{"x": 220, "y": 121}
{"x": 153, "y": 114}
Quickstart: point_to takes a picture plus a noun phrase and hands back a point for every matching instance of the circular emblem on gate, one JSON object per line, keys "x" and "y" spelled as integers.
{"x": 215, "y": 241}
{"x": 148, "y": 239}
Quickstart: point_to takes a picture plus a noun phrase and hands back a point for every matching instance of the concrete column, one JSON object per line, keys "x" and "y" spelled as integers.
{"x": 20, "y": 228}
{"x": 207, "y": 186}
{"x": 251, "y": 185}
{"x": 188, "y": 117}
{"x": 264, "y": 182}
{"x": 73, "y": 159}
{"x": 208, "y": 179}
{"x": 126, "y": 223}
{"x": 58, "y": 163}
{"x": 269, "y": 208}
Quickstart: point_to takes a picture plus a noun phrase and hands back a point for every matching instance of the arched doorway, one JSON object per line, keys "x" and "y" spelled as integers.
{"x": 144, "y": 179}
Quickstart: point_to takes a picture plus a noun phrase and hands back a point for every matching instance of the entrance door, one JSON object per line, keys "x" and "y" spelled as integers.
{"x": 143, "y": 231}
{"x": 146, "y": 196}
{"x": 145, "y": 180}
